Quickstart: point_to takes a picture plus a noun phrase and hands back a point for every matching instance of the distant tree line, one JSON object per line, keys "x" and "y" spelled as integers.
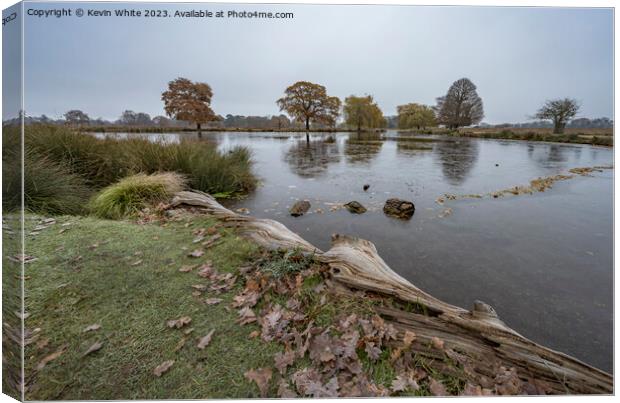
{"x": 308, "y": 105}
{"x": 579, "y": 123}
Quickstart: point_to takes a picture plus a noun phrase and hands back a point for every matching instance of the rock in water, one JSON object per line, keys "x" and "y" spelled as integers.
{"x": 355, "y": 207}
{"x": 398, "y": 208}
{"x": 366, "y": 187}
{"x": 299, "y": 208}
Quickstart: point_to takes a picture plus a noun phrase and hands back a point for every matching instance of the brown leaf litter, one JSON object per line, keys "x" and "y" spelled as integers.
{"x": 163, "y": 368}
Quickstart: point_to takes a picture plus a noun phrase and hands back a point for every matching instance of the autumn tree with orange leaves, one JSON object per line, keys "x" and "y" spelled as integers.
{"x": 309, "y": 103}
{"x": 189, "y": 101}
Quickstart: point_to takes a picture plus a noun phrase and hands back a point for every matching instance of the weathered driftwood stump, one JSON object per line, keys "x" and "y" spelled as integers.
{"x": 477, "y": 339}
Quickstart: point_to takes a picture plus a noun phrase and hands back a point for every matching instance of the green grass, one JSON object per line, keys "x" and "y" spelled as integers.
{"x": 11, "y": 303}
{"x": 133, "y": 193}
{"x": 130, "y": 284}
{"x": 282, "y": 263}
{"x": 381, "y": 370}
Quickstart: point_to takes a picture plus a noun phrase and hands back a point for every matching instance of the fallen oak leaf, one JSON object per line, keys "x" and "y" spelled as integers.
{"x": 207, "y": 271}
{"x": 204, "y": 341}
{"x": 403, "y": 382}
{"x": 408, "y": 338}
{"x": 211, "y": 241}
{"x": 93, "y": 327}
{"x": 373, "y": 351}
{"x": 399, "y": 384}
{"x": 396, "y": 353}
{"x": 196, "y": 253}
{"x": 283, "y": 360}
{"x": 322, "y": 348}
{"x": 254, "y": 334}
{"x": 179, "y": 323}
{"x": 51, "y": 357}
{"x": 437, "y": 343}
{"x": 252, "y": 285}
{"x": 137, "y": 262}
{"x": 163, "y": 367}
{"x": 284, "y": 390}
{"x": 213, "y": 301}
{"x": 261, "y": 376}
{"x": 186, "y": 269}
{"x": 95, "y": 347}
{"x": 246, "y": 315}
{"x": 471, "y": 390}
{"x": 437, "y": 388}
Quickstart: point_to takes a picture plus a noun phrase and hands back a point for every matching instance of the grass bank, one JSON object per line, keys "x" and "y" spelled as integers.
{"x": 600, "y": 137}
{"x": 64, "y": 168}
{"x": 125, "y": 277}
{"x": 181, "y": 308}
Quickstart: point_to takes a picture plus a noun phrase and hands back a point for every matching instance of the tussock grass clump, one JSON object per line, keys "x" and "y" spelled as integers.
{"x": 206, "y": 169}
{"x": 48, "y": 187}
{"x": 133, "y": 193}
{"x": 103, "y": 162}
{"x": 52, "y": 188}
{"x": 64, "y": 167}
{"x": 100, "y": 162}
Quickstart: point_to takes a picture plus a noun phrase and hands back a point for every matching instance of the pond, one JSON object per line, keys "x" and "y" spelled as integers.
{"x": 543, "y": 261}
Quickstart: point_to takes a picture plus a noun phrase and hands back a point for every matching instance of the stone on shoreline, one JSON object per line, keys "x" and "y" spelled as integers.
{"x": 398, "y": 208}
{"x": 355, "y": 207}
{"x": 299, "y": 208}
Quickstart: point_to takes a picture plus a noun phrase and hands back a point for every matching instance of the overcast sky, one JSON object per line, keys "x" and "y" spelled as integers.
{"x": 517, "y": 57}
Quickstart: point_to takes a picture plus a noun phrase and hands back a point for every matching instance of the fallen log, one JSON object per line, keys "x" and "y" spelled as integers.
{"x": 489, "y": 352}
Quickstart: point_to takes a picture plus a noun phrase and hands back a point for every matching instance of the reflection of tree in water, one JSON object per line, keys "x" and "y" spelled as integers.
{"x": 413, "y": 148}
{"x": 457, "y": 158}
{"x": 362, "y": 147}
{"x": 549, "y": 155}
{"x": 310, "y": 159}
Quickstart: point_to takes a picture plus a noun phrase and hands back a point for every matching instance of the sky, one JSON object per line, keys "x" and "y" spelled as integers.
{"x": 517, "y": 57}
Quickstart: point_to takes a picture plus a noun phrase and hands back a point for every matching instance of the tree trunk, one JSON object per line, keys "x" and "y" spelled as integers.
{"x": 307, "y": 123}
{"x": 477, "y": 340}
{"x": 198, "y": 126}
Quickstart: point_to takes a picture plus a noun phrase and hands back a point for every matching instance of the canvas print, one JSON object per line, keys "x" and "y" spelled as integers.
{"x": 225, "y": 201}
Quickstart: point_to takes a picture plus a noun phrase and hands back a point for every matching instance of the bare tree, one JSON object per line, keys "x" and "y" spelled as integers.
{"x": 461, "y": 106}
{"x": 560, "y": 111}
